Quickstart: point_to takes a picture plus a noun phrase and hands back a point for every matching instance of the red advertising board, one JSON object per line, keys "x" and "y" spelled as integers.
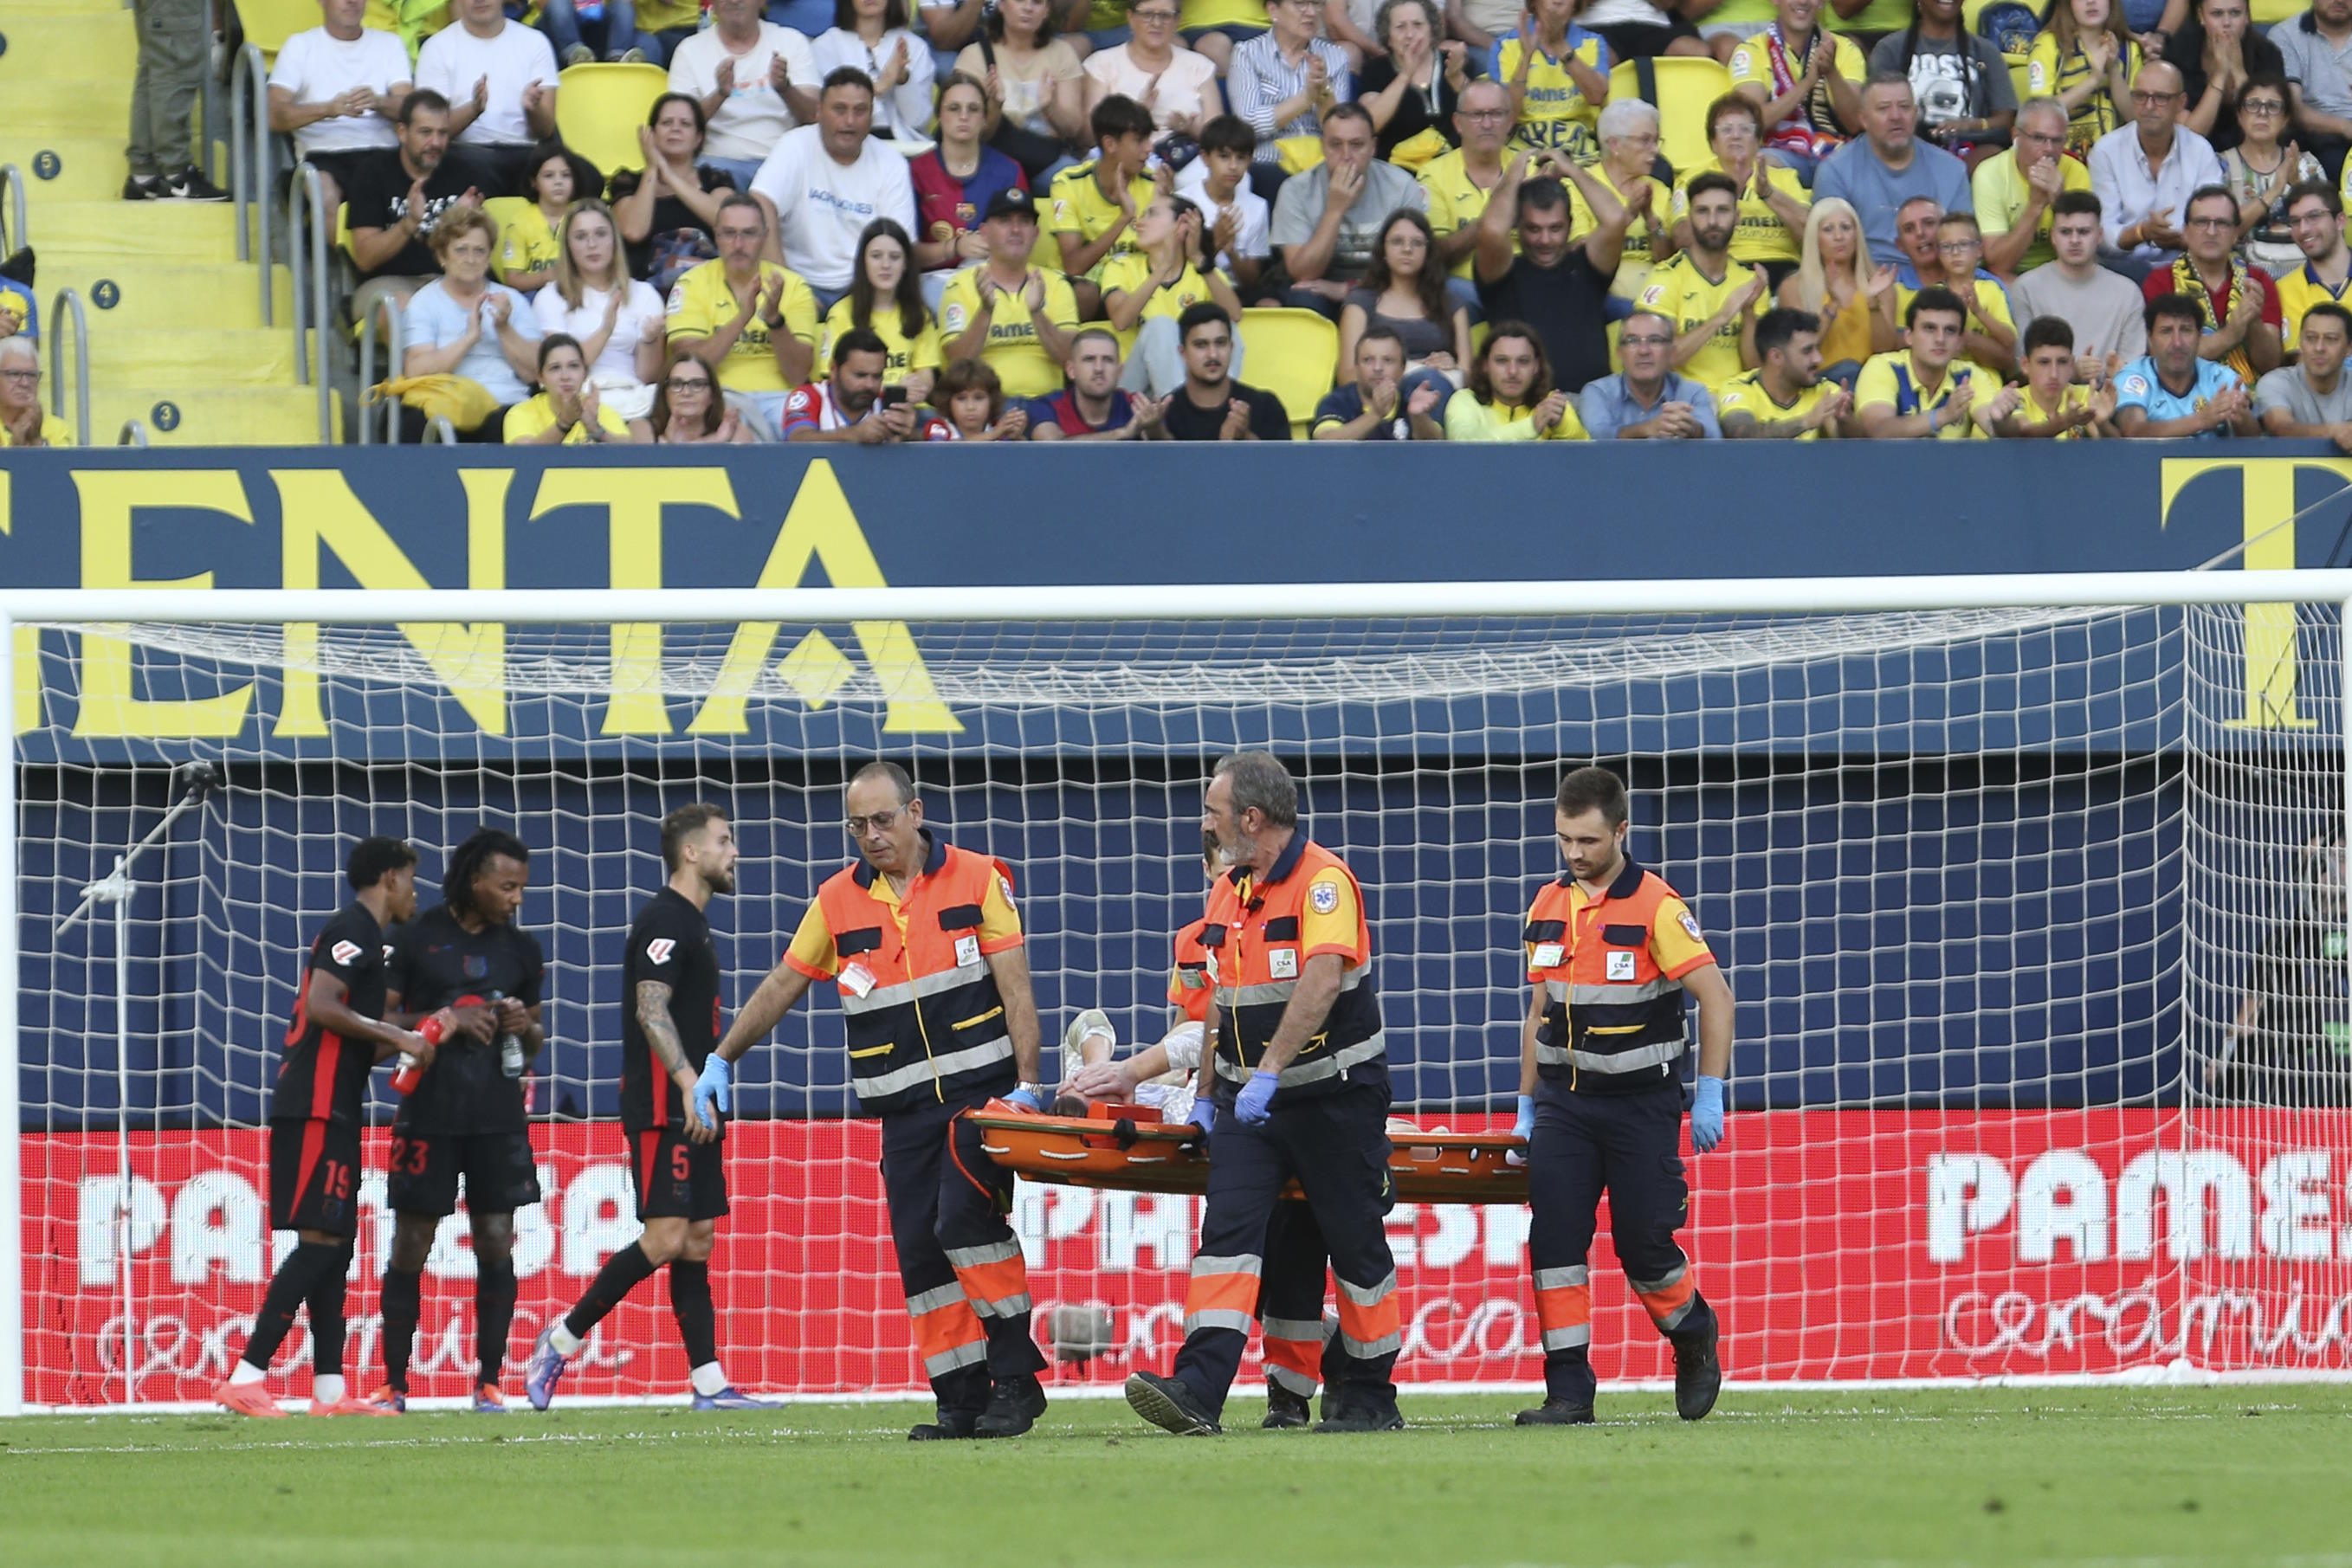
{"x": 1836, "y": 1245}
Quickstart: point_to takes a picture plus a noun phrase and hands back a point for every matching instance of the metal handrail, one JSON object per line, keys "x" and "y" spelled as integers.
{"x": 310, "y": 291}
{"x": 15, "y": 226}
{"x": 132, "y": 434}
{"x": 443, "y": 431}
{"x": 66, "y": 297}
{"x": 248, "y": 173}
{"x": 386, "y": 311}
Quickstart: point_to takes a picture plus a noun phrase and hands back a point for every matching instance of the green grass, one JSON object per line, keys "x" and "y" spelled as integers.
{"x": 2237, "y": 1475}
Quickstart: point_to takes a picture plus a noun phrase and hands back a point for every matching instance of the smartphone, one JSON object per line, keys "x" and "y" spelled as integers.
{"x": 894, "y": 397}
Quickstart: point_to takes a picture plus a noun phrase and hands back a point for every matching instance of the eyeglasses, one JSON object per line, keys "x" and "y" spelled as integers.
{"x": 1484, "y": 114}
{"x": 1646, "y": 342}
{"x": 28, "y": 377}
{"x": 879, "y": 822}
{"x": 686, "y": 384}
{"x": 2212, "y": 222}
{"x": 2152, "y": 99}
{"x": 1158, "y": 18}
{"x": 1959, "y": 247}
{"x": 2260, "y": 106}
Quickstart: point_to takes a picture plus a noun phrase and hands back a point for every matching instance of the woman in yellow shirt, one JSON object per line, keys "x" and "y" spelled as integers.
{"x": 568, "y": 413}
{"x": 526, "y": 243}
{"x": 2084, "y": 58}
{"x": 1835, "y": 281}
{"x": 887, "y": 295}
{"x": 1558, "y": 80}
{"x": 1772, "y": 209}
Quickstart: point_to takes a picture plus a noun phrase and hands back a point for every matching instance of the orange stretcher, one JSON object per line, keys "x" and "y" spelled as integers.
{"x": 1129, "y": 1148}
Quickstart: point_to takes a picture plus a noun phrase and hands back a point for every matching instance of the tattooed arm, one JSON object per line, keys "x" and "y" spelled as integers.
{"x": 669, "y": 1052}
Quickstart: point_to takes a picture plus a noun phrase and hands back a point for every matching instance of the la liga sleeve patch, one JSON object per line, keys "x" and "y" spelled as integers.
{"x": 344, "y": 952}
{"x": 659, "y": 949}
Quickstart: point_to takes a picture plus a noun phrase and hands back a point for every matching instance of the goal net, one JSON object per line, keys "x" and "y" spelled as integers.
{"x": 2035, "y": 917}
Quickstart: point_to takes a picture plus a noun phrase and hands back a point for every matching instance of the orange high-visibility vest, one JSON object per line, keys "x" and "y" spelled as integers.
{"x": 1253, "y": 935}
{"x": 1188, "y": 985}
{"x": 932, "y": 1024}
{"x": 1613, "y": 1020}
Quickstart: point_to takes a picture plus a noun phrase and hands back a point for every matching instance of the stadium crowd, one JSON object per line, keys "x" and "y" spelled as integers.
{"x": 1056, "y": 219}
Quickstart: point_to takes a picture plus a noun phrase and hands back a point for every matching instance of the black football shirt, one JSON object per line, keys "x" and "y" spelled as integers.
{"x": 324, "y": 1076}
{"x": 669, "y": 943}
{"x": 436, "y": 963}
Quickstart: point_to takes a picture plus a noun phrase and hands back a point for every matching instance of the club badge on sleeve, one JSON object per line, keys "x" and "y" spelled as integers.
{"x": 1324, "y": 896}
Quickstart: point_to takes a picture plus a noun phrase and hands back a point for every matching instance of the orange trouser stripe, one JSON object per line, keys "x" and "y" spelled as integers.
{"x": 1003, "y": 1285}
{"x": 1667, "y": 1300}
{"x": 1369, "y": 1329}
{"x": 1234, "y": 1292}
{"x": 1564, "y": 1307}
{"x": 946, "y": 1329}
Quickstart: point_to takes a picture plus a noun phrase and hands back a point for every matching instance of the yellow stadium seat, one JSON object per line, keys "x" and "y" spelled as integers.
{"x": 1292, "y": 354}
{"x": 270, "y": 23}
{"x": 1685, "y": 88}
{"x": 599, "y": 109}
{"x": 2018, "y": 74}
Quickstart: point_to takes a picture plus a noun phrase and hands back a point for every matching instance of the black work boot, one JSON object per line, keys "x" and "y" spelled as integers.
{"x": 1698, "y": 1375}
{"x": 951, "y": 1424}
{"x": 1013, "y": 1407}
{"x": 1284, "y": 1410}
{"x": 1360, "y": 1410}
{"x": 1168, "y": 1403}
{"x": 1555, "y": 1411}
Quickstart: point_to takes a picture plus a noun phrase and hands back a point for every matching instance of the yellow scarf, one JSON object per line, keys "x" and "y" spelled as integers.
{"x": 2185, "y": 280}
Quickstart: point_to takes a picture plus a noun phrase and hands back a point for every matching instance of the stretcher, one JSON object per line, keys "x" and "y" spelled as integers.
{"x": 1129, "y": 1148}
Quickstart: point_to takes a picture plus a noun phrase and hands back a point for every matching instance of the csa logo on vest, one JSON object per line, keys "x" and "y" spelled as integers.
{"x": 1324, "y": 896}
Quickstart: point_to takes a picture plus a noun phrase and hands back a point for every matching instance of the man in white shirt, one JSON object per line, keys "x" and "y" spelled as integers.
{"x": 335, "y": 89}
{"x": 756, "y": 82}
{"x": 824, "y": 183}
{"x": 2143, "y": 173}
{"x": 500, "y": 78}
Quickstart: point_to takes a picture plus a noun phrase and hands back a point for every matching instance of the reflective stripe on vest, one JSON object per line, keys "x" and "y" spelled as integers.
{"x": 1593, "y": 1024}
{"x": 933, "y": 1023}
{"x": 1257, "y": 953}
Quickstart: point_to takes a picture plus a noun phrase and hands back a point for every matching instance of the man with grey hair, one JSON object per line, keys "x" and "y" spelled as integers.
{"x": 22, "y": 423}
{"x": 2014, "y": 188}
{"x": 2143, "y": 174}
{"x": 1297, "y": 1027}
{"x": 1888, "y": 165}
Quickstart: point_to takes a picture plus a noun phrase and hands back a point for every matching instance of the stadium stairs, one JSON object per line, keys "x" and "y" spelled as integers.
{"x": 176, "y": 339}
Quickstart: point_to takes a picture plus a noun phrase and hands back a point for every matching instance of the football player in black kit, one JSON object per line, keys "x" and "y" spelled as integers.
{"x": 335, "y": 1040}
{"x": 669, "y": 1012}
{"x": 466, "y": 1117}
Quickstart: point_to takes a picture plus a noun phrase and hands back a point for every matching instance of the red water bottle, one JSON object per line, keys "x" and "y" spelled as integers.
{"x": 410, "y": 1073}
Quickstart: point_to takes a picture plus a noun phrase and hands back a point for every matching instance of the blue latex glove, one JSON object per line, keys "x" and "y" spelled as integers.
{"x": 1523, "y": 1129}
{"x": 1028, "y": 1099}
{"x": 1204, "y": 1115}
{"x": 713, "y": 1087}
{"x": 1256, "y": 1102}
{"x": 1706, "y": 1114}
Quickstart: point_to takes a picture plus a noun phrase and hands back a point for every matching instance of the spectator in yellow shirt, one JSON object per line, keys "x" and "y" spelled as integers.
{"x": 885, "y": 295}
{"x": 568, "y": 411}
{"x": 22, "y": 423}
{"x": 2051, "y": 405}
{"x": 527, "y": 242}
{"x": 1558, "y": 76}
{"x": 1147, "y": 290}
{"x": 2014, "y": 189}
{"x": 1460, "y": 182}
{"x": 756, "y": 318}
{"x": 2086, "y": 59}
{"x": 1510, "y": 396}
{"x": 1772, "y": 201}
{"x": 1096, "y": 204}
{"x": 1007, "y": 311}
{"x": 1924, "y": 390}
{"x": 1712, "y": 300}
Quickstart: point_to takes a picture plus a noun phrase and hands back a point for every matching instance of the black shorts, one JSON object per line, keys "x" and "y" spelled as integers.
{"x": 677, "y": 1178}
{"x": 314, "y": 1177}
{"x": 1645, "y": 40}
{"x": 500, "y": 1174}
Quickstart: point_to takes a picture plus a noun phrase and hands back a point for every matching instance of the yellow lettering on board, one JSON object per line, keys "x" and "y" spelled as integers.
{"x": 110, "y": 500}
{"x": 821, "y": 529}
{"x": 319, "y": 512}
{"x": 2266, "y": 511}
{"x": 632, "y": 499}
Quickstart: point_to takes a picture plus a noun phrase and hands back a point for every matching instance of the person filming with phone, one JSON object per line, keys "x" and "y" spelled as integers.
{"x": 851, "y": 404}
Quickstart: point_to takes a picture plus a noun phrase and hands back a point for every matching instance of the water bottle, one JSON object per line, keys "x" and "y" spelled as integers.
{"x": 510, "y": 1059}
{"x": 410, "y": 1073}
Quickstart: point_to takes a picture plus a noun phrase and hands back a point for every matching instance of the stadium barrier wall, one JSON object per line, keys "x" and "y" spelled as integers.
{"x": 1970, "y": 1245}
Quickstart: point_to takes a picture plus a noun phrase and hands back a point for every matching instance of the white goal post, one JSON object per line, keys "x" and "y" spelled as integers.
{"x": 2094, "y": 1214}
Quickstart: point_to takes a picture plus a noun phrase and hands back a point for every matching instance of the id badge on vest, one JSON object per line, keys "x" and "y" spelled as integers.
{"x": 1282, "y": 962}
{"x": 855, "y": 979}
{"x": 1621, "y": 966}
{"x": 1548, "y": 956}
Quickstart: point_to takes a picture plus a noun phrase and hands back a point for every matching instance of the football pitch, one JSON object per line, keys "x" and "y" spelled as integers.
{"x": 2058, "y": 1476}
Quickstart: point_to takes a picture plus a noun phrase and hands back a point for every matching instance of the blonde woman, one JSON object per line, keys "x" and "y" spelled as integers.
{"x": 618, "y": 321}
{"x": 1835, "y": 281}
